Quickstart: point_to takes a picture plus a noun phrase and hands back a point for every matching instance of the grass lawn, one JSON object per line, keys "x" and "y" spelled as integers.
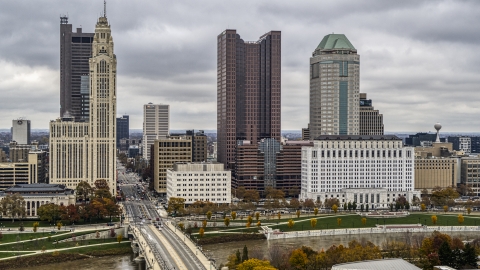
{"x": 10, "y": 238}
{"x": 87, "y": 249}
{"x": 355, "y": 221}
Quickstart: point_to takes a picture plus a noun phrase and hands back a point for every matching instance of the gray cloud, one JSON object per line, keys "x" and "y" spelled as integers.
{"x": 419, "y": 60}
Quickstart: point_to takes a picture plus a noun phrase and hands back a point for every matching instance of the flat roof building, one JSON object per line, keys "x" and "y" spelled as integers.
{"x": 199, "y": 181}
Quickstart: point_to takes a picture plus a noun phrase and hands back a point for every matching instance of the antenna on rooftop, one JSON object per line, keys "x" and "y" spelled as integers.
{"x": 104, "y": 8}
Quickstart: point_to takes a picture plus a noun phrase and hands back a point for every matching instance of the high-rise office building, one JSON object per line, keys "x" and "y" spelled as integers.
{"x": 21, "y": 131}
{"x": 75, "y": 51}
{"x": 86, "y": 151}
{"x": 123, "y": 130}
{"x": 334, "y": 88}
{"x": 156, "y": 125}
{"x": 467, "y": 144}
{"x": 371, "y": 121}
{"x": 248, "y": 91}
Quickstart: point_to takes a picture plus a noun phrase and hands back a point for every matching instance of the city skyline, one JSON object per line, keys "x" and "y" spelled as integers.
{"x": 418, "y": 68}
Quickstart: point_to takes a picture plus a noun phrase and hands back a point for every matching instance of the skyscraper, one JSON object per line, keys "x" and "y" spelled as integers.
{"x": 75, "y": 50}
{"x": 248, "y": 91}
{"x": 123, "y": 129}
{"x": 334, "y": 88}
{"x": 21, "y": 131}
{"x": 86, "y": 151}
{"x": 156, "y": 125}
{"x": 371, "y": 121}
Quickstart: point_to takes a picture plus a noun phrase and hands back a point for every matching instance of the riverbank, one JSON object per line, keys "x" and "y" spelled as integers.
{"x": 58, "y": 256}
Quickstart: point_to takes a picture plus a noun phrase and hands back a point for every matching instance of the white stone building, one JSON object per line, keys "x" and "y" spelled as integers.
{"x": 373, "y": 170}
{"x": 200, "y": 181}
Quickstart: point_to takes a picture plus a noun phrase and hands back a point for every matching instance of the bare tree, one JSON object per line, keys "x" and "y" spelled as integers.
{"x": 278, "y": 256}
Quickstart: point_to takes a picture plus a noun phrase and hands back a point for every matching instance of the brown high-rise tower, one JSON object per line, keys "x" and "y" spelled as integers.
{"x": 248, "y": 91}
{"x": 75, "y": 51}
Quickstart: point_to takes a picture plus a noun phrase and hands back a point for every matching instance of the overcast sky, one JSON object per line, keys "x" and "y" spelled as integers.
{"x": 419, "y": 60}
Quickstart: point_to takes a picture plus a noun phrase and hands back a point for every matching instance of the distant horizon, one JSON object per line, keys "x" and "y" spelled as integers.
{"x": 283, "y": 131}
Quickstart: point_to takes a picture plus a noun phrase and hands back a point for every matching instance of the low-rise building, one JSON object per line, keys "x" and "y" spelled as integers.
{"x": 36, "y": 195}
{"x": 199, "y": 181}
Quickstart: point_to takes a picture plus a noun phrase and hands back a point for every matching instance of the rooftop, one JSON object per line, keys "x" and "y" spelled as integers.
{"x": 42, "y": 188}
{"x": 357, "y": 137}
{"x": 335, "y": 41}
{"x": 392, "y": 264}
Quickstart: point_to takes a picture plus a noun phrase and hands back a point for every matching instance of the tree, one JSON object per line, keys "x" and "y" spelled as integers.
{"x": 13, "y": 205}
{"x": 460, "y": 219}
{"x": 469, "y": 210}
{"x": 209, "y": 215}
{"x": 445, "y": 208}
{"x": 434, "y": 219}
{"x": 204, "y": 223}
{"x": 315, "y": 211}
{"x": 469, "y": 258}
{"x": 175, "y": 205}
{"x": 257, "y": 216}
{"x": 364, "y": 221}
{"x": 366, "y": 207}
{"x": 279, "y": 215}
{"x": 423, "y": 207}
{"x": 298, "y": 213}
{"x": 290, "y": 223}
{"x": 339, "y": 222}
{"x": 331, "y": 202}
{"x": 249, "y": 219}
{"x": 298, "y": 259}
{"x": 35, "y": 226}
{"x": 335, "y": 208}
{"x": 119, "y": 238}
{"x": 442, "y": 196}
{"x": 255, "y": 264}
{"x": 83, "y": 190}
{"x": 69, "y": 213}
{"x": 245, "y": 253}
{"x": 59, "y": 225}
{"x": 233, "y": 215}
{"x": 259, "y": 223}
{"x": 226, "y": 221}
{"x": 294, "y": 203}
{"x": 361, "y": 208}
{"x": 201, "y": 232}
{"x": 49, "y": 212}
{"x": 345, "y": 207}
{"x": 251, "y": 195}
{"x": 349, "y": 207}
{"x": 313, "y": 222}
{"x": 308, "y": 204}
{"x": 445, "y": 254}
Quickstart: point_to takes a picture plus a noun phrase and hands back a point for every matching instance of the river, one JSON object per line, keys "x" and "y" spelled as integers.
{"x": 122, "y": 262}
{"x": 220, "y": 252}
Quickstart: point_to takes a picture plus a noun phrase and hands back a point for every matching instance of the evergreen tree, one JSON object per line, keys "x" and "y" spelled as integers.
{"x": 245, "y": 254}
{"x": 469, "y": 259}
{"x": 239, "y": 259}
{"x": 445, "y": 254}
{"x": 344, "y": 207}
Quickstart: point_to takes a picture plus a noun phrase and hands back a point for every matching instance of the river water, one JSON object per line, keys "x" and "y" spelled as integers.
{"x": 123, "y": 262}
{"x": 220, "y": 252}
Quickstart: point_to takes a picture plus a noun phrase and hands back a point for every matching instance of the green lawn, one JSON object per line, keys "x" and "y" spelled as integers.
{"x": 354, "y": 221}
{"x": 12, "y": 237}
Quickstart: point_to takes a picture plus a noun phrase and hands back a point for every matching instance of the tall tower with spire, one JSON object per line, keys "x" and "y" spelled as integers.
{"x": 103, "y": 100}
